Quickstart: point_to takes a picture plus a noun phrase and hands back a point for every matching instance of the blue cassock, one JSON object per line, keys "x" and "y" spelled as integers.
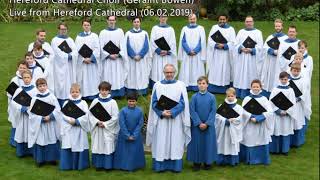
{"x": 129, "y": 155}
{"x": 203, "y": 145}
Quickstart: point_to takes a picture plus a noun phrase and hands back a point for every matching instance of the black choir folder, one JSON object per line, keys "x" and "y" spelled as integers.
{"x": 254, "y": 107}
{"x": 162, "y": 44}
{"x": 23, "y": 98}
{"x": 165, "y": 103}
{"x": 218, "y": 38}
{"x": 274, "y": 43}
{"x": 249, "y": 43}
{"x": 85, "y": 51}
{"x": 42, "y": 108}
{"x": 12, "y": 88}
{"x": 111, "y": 48}
{"x": 296, "y": 90}
{"x": 289, "y": 52}
{"x": 226, "y": 111}
{"x": 72, "y": 110}
{"x": 65, "y": 47}
{"x": 281, "y": 101}
{"x": 100, "y": 113}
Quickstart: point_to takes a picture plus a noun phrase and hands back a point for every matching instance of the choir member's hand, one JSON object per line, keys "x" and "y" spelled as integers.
{"x": 113, "y": 56}
{"x": 163, "y": 53}
{"x": 283, "y": 113}
{"x": 46, "y": 118}
{"x": 166, "y": 114}
{"x": 220, "y": 46}
{"x": 137, "y": 58}
{"x": 100, "y": 124}
{"x": 192, "y": 53}
{"x": 72, "y": 121}
{"x": 231, "y": 120}
{"x": 253, "y": 120}
{"x": 87, "y": 60}
{"x": 203, "y": 126}
{"x": 131, "y": 138}
{"x": 275, "y": 52}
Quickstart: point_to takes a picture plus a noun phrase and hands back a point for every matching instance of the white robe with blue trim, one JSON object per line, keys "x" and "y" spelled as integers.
{"x": 88, "y": 75}
{"x": 158, "y": 62}
{"x": 192, "y": 67}
{"x": 113, "y": 71}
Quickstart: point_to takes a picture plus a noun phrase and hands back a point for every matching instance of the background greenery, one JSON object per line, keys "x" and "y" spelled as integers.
{"x": 302, "y": 163}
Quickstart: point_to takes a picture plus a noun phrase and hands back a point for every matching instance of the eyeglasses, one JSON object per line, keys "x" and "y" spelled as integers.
{"x": 169, "y": 72}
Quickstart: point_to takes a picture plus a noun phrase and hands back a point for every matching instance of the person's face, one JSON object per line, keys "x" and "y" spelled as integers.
{"x": 169, "y": 72}
{"x": 42, "y": 88}
{"x": 202, "y": 85}
{"x": 75, "y": 93}
{"x": 104, "y": 92}
{"x": 292, "y": 33}
{"x": 249, "y": 22}
{"x": 192, "y": 19}
{"x": 63, "y": 30}
{"x": 302, "y": 49}
{"x": 111, "y": 21}
{"x": 295, "y": 72}
{"x": 278, "y": 27}
{"x": 298, "y": 59}
{"x": 255, "y": 87}
{"x": 37, "y": 52}
{"x": 222, "y": 20}
{"x": 136, "y": 23}
{"x": 132, "y": 103}
{"x": 41, "y": 36}
{"x": 163, "y": 20}
{"x": 86, "y": 26}
{"x": 284, "y": 80}
{"x": 231, "y": 97}
{"x": 26, "y": 79}
{"x": 29, "y": 60}
{"x": 22, "y": 68}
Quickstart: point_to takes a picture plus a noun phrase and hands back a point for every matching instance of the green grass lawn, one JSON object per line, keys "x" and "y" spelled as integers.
{"x": 302, "y": 163}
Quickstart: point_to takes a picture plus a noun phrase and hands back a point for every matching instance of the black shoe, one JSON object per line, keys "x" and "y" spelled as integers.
{"x": 39, "y": 164}
{"x": 53, "y": 163}
{"x": 99, "y": 169}
{"x": 207, "y": 166}
{"x": 286, "y": 154}
{"x": 196, "y": 167}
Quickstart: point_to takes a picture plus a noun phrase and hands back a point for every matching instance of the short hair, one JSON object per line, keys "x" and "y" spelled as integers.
{"x": 249, "y": 16}
{"x": 41, "y": 81}
{"x": 37, "y": 45}
{"x": 38, "y": 31}
{"x": 203, "y": 78}
{"x": 298, "y": 55}
{"x": 26, "y": 72}
{"x": 28, "y": 54}
{"x": 62, "y": 24}
{"x": 293, "y": 27}
{"x": 115, "y": 17}
{"x": 278, "y": 21}
{"x": 225, "y": 15}
{"x": 86, "y": 20}
{"x": 136, "y": 17}
{"x": 303, "y": 42}
{"x": 75, "y": 86}
{"x": 256, "y": 81}
{"x": 22, "y": 62}
{"x": 296, "y": 66}
{"x": 283, "y": 74}
{"x": 171, "y": 65}
{"x": 231, "y": 91}
{"x": 104, "y": 85}
{"x": 133, "y": 96}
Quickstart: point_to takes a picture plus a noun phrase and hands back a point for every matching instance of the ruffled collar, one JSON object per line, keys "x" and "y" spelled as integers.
{"x": 62, "y": 36}
{"x": 192, "y": 26}
{"x": 104, "y": 99}
{"x": 44, "y": 94}
{"x": 253, "y": 95}
{"x": 76, "y": 100}
{"x": 164, "y": 81}
{"x": 283, "y": 86}
{"x": 84, "y": 34}
{"x": 18, "y": 74}
{"x": 33, "y": 65}
{"x": 27, "y": 87}
{"x": 291, "y": 40}
{"x": 278, "y": 34}
{"x": 111, "y": 28}
{"x": 134, "y": 30}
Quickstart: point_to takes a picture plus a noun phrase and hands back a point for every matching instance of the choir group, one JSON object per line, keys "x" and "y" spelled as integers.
{"x": 50, "y": 117}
